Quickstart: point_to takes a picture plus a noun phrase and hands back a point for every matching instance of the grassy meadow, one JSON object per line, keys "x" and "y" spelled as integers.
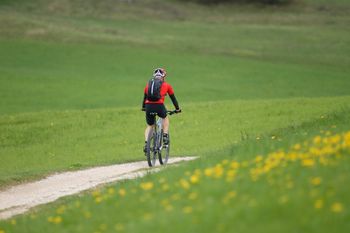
{"x": 295, "y": 181}
{"x": 265, "y": 99}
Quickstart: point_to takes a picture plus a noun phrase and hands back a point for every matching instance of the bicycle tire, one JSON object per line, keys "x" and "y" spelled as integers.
{"x": 163, "y": 154}
{"x": 151, "y": 153}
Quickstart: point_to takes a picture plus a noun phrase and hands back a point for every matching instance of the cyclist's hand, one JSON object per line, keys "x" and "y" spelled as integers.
{"x": 143, "y": 109}
{"x": 178, "y": 110}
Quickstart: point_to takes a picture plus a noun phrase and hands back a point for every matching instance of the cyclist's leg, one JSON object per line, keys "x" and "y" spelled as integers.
{"x": 147, "y": 130}
{"x": 150, "y": 119}
{"x": 163, "y": 114}
{"x": 166, "y": 125}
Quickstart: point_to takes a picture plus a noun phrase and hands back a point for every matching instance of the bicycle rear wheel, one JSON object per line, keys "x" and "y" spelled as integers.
{"x": 163, "y": 153}
{"x": 151, "y": 152}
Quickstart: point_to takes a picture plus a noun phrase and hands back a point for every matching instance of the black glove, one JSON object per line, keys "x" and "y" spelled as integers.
{"x": 143, "y": 109}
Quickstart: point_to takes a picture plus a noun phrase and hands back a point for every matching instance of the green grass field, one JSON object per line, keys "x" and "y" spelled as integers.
{"x": 251, "y": 81}
{"x": 219, "y": 193}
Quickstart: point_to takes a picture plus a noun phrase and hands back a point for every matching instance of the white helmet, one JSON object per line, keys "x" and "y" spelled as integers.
{"x": 159, "y": 73}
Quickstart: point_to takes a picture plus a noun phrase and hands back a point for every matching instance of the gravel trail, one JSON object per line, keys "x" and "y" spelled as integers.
{"x": 20, "y": 198}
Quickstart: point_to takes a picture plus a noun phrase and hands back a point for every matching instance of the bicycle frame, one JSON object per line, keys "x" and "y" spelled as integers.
{"x": 155, "y": 148}
{"x": 159, "y": 131}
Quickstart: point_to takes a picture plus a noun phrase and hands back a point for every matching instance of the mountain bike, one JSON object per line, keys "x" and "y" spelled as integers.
{"x": 155, "y": 147}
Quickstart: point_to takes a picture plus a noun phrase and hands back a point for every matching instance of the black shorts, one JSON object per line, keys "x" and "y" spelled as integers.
{"x": 155, "y": 108}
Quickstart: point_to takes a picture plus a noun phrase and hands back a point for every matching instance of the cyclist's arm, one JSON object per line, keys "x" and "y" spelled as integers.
{"x": 174, "y": 100}
{"x": 144, "y": 97}
{"x": 172, "y": 97}
{"x": 144, "y": 100}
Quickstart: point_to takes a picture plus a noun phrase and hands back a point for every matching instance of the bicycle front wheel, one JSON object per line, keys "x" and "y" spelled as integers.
{"x": 163, "y": 153}
{"x": 151, "y": 152}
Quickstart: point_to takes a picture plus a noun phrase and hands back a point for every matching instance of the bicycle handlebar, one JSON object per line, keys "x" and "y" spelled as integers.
{"x": 169, "y": 112}
{"x": 173, "y": 112}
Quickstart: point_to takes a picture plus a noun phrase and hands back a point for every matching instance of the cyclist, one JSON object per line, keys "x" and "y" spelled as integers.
{"x": 157, "y": 106}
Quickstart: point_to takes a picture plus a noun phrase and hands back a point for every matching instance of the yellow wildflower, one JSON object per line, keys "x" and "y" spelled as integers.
{"x": 122, "y": 192}
{"x": 13, "y": 222}
{"x": 292, "y": 156}
{"x": 194, "y": 179}
{"x": 234, "y": 165}
{"x": 315, "y": 151}
{"x": 184, "y": 184}
{"x": 258, "y": 158}
{"x": 208, "y": 172}
{"x": 224, "y": 162}
{"x": 2, "y": 231}
{"x": 218, "y": 171}
{"x": 297, "y": 147}
{"x": 231, "y": 173}
{"x": 57, "y": 220}
{"x": 318, "y": 204}
{"x": 317, "y": 140}
{"x": 98, "y": 200}
{"x": 347, "y": 139}
{"x": 308, "y": 162}
{"x": 325, "y": 141}
{"x": 96, "y": 193}
{"x": 187, "y": 210}
{"x": 111, "y": 191}
{"x": 335, "y": 139}
{"x": 324, "y": 161}
{"x": 316, "y": 181}
{"x": 337, "y": 207}
{"x": 61, "y": 209}
{"x": 146, "y": 186}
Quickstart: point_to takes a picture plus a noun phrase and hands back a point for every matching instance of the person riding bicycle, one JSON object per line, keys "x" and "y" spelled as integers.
{"x": 153, "y": 102}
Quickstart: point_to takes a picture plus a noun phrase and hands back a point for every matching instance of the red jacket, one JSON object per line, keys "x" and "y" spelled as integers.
{"x": 165, "y": 89}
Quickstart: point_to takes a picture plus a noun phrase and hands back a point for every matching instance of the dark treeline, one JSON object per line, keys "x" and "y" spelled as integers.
{"x": 268, "y": 2}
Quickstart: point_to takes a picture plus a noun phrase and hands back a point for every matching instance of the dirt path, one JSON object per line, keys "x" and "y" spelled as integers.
{"x": 21, "y": 198}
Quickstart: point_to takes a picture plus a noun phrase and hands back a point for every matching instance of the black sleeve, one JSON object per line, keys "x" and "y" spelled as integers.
{"x": 173, "y": 99}
{"x": 143, "y": 102}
